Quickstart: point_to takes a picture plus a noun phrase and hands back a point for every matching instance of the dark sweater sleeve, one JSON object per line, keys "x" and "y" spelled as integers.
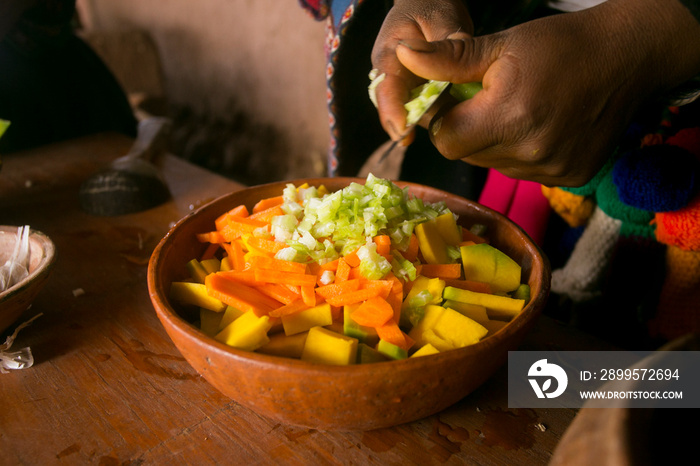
{"x": 693, "y": 6}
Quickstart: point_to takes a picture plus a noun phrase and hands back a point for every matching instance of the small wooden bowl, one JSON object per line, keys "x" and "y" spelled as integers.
{"x": 15, "y": 300}
{"x": 356, "y": 397}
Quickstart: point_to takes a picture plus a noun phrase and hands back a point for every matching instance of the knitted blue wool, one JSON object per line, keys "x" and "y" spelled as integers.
{"x": 658, "y": 178}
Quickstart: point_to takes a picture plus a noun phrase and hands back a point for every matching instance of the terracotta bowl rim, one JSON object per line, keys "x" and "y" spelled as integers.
{"x": 170, "y": 315}
{"x": 44, "y": 266}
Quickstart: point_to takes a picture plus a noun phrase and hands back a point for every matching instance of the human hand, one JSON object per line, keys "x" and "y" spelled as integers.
{"x": 426, "y": 20}
{"x": 559, "y": 91}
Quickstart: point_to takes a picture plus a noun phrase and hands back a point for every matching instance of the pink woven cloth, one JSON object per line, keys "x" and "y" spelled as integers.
{"x": 520, "y": 201}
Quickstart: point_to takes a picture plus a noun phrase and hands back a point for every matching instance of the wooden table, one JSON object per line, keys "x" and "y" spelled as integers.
{"x": 109, "y": 387}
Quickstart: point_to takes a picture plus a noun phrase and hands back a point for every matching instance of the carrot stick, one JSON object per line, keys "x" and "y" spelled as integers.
{"x": 469, "y": 236}
{"x": 411, "y": 252}
{"x": 238, "y": 295}
{"x": 391, "y": 333}
{"x": 470, "y": 285}
{"x": 332, "y": 265}
{"x": 352, "y": 259}
{"x": 383, "y": 243}
{"x": 441, "y": 270}
{"x": 210, "y": 251}
{"x": 374, "y": 312}
{"x": 342, "y": 273}
{"x": 291, "y": 308}
{"x": 265, "y": 204}
{"x": 236, "y": 227}
{"x": 266, "y": 215}
{"x": 278, "y": 292}
{"x": 238, "y": 211}
{"x": 234, "y": 250}
{"x": 211, "y": 237}
{"x": 247, "y": 277}
{"x": 337, "y": 289}
{"x": 264, "y": 245}
{"x": 263, "y": 262}
{"x": 354, "y": 297}
{"x": 289, "y": 278}
{"x": 308, "y": 295}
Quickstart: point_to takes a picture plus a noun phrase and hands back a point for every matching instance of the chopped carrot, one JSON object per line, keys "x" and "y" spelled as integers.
{"x": 278, "y": 292}
{"x": 238, "y": 295}
{"x": 383, "y": 243}
{"x": 247, "y": 277}
{"x": 470, "y": 285}
{"x": 291, "y": 308}
{"x": 308, "y": 295}
{"x": 391, "y": 333}
{"x": 238, "y": 211}
{"x": 290, "y": 278}
{"x": 234, "y": 250}
{"x": 469, "y": 236}
{"x": 264, "y": 262}
{"x": 332, "y": 265}
{"x": 411, "y": 252}
{"x": 264, "y": 245}
{"x": 342, "y": 273}
{"x": 383, "y": 287}
{"x": 374, "y": 312}
{"x": 354, "y": 297}
{"x": 210, "y": 251}
{"x": 441, "y": 270}
{"x": 236, "y": 227}
{"x": 211, "y": 237}
{"x": 265, "y": 204}
{"x": 268, "y": 214}
{"x": 352, "y": 259}
{"x": 337, "y": 289}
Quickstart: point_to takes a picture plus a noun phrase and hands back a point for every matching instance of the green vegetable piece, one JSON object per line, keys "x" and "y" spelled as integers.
{"x": 368, "y": 355}
{"x": 522, "y": 292}
{"x": 465, "y": 91}
{"x": 391, "y": 350}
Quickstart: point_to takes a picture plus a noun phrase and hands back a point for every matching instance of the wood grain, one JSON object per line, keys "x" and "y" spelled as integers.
{"x": 109, "y": 387}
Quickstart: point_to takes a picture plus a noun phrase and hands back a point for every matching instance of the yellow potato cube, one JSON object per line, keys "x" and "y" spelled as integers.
{"x": 326, "y": 347}
{"x": 287, "y": 346}
{"x": 209, "y": 321}
{"x": 473, "y": 311}
{"x": 317, "y": 316}
{"x": 448, "y": 228}
{"x": 425, "y": 350}
{"x": 431, "y": 244}
{"x": 196, "y": 295}
{"x": 230, "y": 314}
{"x": 446, "y": 329}
{"x": 248, "y": 332}
{"x": 502, "y": 307}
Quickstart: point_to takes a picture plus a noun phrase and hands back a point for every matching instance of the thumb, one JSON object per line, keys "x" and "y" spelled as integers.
{"x": 457, "y": 59}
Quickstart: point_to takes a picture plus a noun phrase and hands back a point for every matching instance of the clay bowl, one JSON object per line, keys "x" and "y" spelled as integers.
{"x": 15, "y": 300}
{"x": 357, "y": 397}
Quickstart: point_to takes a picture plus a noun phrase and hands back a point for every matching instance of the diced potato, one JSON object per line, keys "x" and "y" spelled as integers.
{"x": 196, "y": 295}
{"x": 282, "y": 345}
{"x": 248, "y": 332}
{"x": 425, "y": 350}
{"x": 327, "y": 347}
{"x": 317, "y": 316}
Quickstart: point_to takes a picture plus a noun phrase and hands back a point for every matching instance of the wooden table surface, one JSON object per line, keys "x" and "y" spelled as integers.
{"x": 109, "y": 387}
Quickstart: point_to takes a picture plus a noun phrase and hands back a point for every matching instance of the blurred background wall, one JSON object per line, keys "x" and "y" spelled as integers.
{"x": 243, "y": 80}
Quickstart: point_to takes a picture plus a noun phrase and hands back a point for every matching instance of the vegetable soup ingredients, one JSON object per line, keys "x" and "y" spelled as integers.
{"x": 361, "y": 275}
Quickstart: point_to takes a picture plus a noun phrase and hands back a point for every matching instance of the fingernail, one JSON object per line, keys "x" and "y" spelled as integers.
{"x": 393, "y": 134}
{"x": 435, "y": 127}
{"x": 418, "y": 45}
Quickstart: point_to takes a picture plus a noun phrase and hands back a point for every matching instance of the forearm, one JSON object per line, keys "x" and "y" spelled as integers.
{"x": 661, "y": 37}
